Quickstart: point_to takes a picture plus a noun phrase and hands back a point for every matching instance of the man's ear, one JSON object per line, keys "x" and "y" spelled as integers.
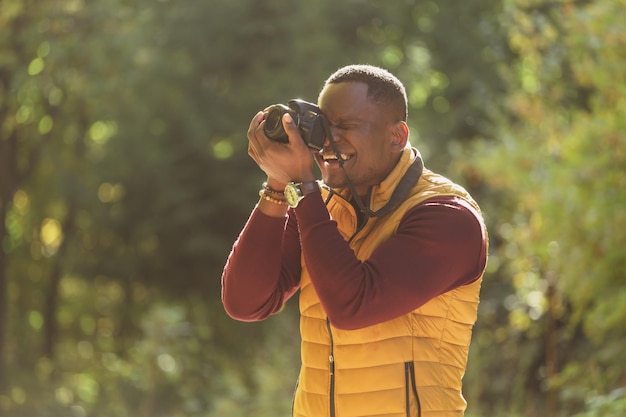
{"x": 400, "y": 133}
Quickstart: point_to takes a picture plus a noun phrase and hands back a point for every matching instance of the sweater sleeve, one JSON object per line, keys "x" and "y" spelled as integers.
{"x": 439, "y": 245}
{"x": 263, "y": 269}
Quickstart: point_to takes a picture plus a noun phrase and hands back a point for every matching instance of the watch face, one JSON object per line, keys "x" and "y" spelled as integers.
{"x": 292, "y": 194}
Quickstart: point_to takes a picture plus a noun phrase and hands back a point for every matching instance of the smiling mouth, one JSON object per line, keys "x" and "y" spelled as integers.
{"x": 333, "y": 157}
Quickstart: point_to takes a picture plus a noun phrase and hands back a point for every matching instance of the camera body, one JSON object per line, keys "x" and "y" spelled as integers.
{"x": 307, "y": 116}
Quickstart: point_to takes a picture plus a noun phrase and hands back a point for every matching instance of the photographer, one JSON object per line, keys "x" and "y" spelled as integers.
{"x": 388, "y": 256}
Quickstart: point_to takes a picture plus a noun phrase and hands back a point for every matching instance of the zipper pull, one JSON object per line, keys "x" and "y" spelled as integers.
{"x": 331, "y": 359}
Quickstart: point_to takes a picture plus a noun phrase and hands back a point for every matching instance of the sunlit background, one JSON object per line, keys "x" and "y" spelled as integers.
{"x": 124, "y": 180}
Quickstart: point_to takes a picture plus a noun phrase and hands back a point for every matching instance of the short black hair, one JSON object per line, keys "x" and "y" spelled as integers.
{"x": 382, "y": 86}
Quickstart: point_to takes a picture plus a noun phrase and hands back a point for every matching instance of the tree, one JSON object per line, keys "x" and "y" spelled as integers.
{"x": 125, "y": 179}
{"x": 558, "y": 166}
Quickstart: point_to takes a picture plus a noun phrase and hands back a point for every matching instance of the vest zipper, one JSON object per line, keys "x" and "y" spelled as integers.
{"x": 360, "y": 226}
{"x": 331, "y": 361}
{"x": 411, "y": 388}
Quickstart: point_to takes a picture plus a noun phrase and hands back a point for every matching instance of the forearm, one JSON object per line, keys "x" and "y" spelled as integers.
{"x": 436, "y": 249}
{"x": 259, "y": 276}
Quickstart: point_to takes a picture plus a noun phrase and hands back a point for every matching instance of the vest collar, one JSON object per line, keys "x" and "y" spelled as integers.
{"x": 387, "y": 195}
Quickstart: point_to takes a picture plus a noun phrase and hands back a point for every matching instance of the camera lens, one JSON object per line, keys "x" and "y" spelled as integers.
{"x": 273, "y": 127}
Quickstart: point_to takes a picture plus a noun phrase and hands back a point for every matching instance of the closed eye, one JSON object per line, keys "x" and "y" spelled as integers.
{"x": 345, "y": 126}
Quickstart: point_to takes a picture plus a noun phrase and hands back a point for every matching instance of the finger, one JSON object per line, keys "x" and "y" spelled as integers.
{"x": 292, "y": 131}
{"x": 256, "y": 150}
{"x": 289, "y": 125}
{"x": 255, "y": 123}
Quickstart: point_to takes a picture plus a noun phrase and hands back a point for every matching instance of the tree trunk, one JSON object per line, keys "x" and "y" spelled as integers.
{"x": 551, "y": 351}
{"x": 8, "y": 186}
{"x": 3, "y": 291}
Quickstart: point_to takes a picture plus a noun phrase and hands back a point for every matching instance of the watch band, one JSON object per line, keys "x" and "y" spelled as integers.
{"x": 309, "y": 187}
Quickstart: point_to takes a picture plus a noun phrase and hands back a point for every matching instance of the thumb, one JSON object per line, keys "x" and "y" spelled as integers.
{"x": 295, "y": 138}
{"x": 296, "y": 141}
{"x": 290, "y": 126}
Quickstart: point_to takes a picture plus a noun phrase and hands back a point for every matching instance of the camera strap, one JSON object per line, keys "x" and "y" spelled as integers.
{"x": 409, "y": 179}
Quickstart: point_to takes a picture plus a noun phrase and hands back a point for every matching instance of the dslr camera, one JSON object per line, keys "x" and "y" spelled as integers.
{"x": 307, "y": 117}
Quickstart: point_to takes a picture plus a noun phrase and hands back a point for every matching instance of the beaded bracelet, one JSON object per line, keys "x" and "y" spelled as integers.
{"x": 263, "y": 194}
{"x": 270, "y": 190}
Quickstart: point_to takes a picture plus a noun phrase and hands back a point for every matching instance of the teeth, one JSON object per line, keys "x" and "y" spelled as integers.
{"x": 334, "y": 157}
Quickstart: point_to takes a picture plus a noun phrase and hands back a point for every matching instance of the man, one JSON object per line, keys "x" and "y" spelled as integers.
{"x": 388, "y": 257}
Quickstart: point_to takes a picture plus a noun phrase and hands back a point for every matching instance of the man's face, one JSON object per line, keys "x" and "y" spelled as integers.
{"x": 365, "y": 133}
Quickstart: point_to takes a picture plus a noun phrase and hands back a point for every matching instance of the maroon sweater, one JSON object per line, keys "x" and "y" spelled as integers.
{"x": 439, "y": 245}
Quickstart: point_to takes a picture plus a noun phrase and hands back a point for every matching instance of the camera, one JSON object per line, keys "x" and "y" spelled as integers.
{"x": 307, "y": 116}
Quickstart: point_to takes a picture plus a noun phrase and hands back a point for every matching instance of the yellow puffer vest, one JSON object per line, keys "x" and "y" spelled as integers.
{"x": 408, "y": 366}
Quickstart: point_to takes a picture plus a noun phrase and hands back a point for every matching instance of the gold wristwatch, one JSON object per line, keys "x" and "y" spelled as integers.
{"x": 296, "y": 191}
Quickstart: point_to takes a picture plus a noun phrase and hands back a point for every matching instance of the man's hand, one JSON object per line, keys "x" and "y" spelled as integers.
{"x": 282, "y": 162}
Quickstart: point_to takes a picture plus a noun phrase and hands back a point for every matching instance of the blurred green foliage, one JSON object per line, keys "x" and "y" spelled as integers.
{"x": 124, "y": 180}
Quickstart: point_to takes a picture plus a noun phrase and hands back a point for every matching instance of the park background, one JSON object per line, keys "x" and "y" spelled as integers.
{"x": 124, "y": 180}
